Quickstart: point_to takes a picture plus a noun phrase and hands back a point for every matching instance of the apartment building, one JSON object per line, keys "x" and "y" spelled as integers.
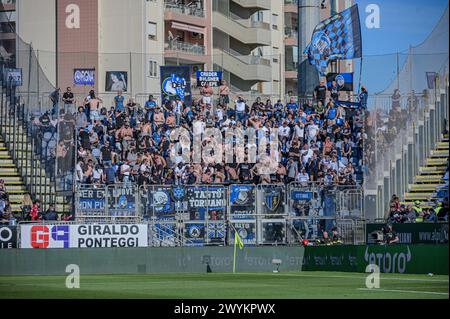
{"x": 254, "y": 42}
{"x": 7, "y": 32}
{"x": 248, "y": 44}
{"x": 136, "y": 37}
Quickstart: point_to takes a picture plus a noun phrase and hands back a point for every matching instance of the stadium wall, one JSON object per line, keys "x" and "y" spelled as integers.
{"x": 411, "y": 259}
{"x": 148, "y": 260}
{"x": 408, "y": 259}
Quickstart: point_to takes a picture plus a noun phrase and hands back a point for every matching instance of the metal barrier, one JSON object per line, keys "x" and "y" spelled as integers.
{"x": 196, "y": 215}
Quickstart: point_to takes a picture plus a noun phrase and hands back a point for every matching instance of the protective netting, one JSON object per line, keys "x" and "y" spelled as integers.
{"x": 406, "y": 119}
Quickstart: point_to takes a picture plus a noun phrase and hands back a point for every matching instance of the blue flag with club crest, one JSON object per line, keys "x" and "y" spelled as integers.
{"x": 336, "y": 38}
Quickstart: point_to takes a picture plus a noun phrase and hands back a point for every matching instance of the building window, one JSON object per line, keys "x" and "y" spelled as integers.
{"x": 275, "y": 21}
{"x": 152, "y": 31}
{"x": 153, "y": 68}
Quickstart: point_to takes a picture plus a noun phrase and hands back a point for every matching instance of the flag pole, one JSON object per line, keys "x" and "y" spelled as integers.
{"x": 235, "y": 251}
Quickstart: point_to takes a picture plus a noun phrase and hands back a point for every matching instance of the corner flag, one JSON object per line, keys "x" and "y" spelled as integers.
{"x": 237, "y": 241}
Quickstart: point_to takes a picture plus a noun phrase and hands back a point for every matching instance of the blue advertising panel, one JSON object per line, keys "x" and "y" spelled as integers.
{"x": 212, "y": 78}
{"x": 84, "y": 77}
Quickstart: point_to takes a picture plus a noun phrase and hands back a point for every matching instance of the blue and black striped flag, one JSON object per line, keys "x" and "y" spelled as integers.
{"x": 336, "y": 38}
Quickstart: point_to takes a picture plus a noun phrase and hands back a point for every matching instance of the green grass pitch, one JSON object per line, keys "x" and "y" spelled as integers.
{"x": 300, "y": 285}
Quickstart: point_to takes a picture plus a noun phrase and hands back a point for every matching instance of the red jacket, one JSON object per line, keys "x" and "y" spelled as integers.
{"x": 34, "y": 213}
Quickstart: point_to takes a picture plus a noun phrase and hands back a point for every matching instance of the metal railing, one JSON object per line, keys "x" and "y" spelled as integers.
{"x": 185, "y": 9}
{"x": 186, "y": 47}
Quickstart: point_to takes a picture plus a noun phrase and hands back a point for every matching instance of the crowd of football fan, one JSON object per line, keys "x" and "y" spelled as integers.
{"x": 319, "y": 141}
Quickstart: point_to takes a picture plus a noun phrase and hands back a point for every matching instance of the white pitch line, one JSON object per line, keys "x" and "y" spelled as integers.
{"x": 385, "y": 278}
{"x": 408, "y": 291}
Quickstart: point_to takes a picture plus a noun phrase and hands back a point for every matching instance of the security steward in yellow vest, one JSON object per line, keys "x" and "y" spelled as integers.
{"x": 438, "y": 208}
{"x": 419, "y": 212}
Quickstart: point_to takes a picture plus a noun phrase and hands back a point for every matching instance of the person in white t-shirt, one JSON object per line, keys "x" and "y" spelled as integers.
{"x": 302, "y": 177}
{"x": 125, "y": 170}
{"x": 312, "y": 130}
{"x": 283, "y": 132}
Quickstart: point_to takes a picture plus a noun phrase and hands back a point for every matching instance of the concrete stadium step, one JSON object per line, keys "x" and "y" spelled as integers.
{"x": 423, "y": 187}
{"x": 417, "y": 196}
{"x": 422, "y": 204}
{"x": 437, "y": 161}
{"x": 442, "y": 146}
{"x": 435, "y": 179}
{"x": 432, "y": 169}
{"x": 439, "y": 154}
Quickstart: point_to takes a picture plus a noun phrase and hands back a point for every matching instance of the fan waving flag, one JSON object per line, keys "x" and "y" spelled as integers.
{"x": 336, "y": 38}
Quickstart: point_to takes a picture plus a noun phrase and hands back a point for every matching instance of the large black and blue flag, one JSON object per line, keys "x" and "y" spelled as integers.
{"x": 336, "y": 38}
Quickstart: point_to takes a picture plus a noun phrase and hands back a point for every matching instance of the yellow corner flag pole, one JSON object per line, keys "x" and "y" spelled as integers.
{"x": 237, "y": 240}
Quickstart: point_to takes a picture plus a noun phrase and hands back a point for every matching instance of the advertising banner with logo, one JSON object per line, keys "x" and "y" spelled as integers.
{"x": 176, "y": 83}
{"x": 212, "y": 78}
{"x": 8, "y": 237}
{"x": 420, "y": 233}
{"x": 407, "y": 259}
{"x": 91, "y": 201}
{"x": 84, "y": 77}
{"x": 83, "y": 236}
{"x": 122, "y": 200}
{"x": 242, "y": 202}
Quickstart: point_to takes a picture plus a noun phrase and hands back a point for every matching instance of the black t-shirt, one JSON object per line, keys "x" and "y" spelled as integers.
{"x": 321, "y": 92}
{"x": 142, "y": 180}
{"x": 106, "y": 153}
{"x": 244, "y": 170}
{"x": 120, "y": 120}
{"x": 390, "y": 236}
{"x": 191, "y": 179}
{"x": 68, "y": 96}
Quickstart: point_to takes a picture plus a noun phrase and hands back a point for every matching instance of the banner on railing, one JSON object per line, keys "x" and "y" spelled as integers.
{"x": 91, "y": 201}
{"x": 122, "y": 200}
{"x": 245, "y": 229}
{"x": 8, "y": 237}
{"x": 83, "y": 236}
{"x": 242, "y": 201}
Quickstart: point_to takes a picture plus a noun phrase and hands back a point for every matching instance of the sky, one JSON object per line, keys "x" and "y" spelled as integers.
{"x": 402, "y": 23}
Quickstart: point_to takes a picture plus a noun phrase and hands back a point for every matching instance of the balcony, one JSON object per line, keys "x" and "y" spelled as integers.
{"x": 291, "y": 6}
{"x": 186, "y": 14}
{"x": 185, "y": 52}
{"x": 245, "y": 30}
{"x": 184, "y": 9}
{"x": 185, "y": 47}
{"x": 257, "y": 4}
{"x": 290, "y": 36}
{"x": 248, "y": 68}
{"x": 7, "y": 5}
